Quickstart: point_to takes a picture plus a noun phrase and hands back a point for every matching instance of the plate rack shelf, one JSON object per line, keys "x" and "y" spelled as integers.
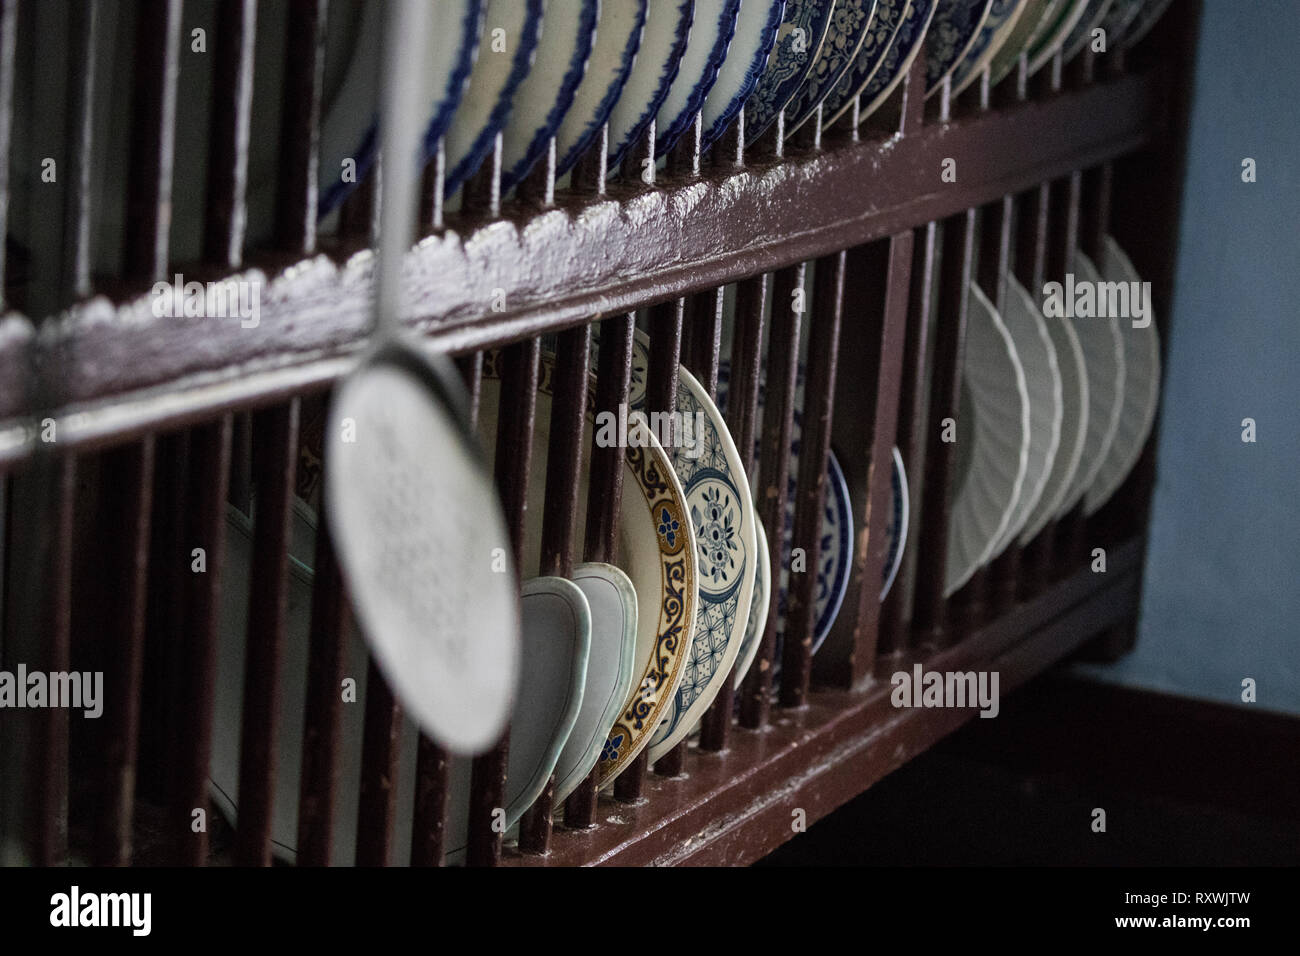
{"x": 159, "y": 422}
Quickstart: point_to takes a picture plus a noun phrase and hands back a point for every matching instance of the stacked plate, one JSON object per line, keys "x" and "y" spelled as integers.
{"x": 1058, "y": 400}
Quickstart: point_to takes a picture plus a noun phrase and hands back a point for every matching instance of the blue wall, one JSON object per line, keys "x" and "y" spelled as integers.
{"x": 1222, "y": 591}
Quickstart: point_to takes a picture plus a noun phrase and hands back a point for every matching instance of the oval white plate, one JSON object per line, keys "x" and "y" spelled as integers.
{"x": 756, "y": 30}
{"x": 1141, "y": 389}
{"x": 762, "y": 597}
{"x": 992, "y": 442}
{"x": 1037, "y": 355}
{"x": 663, "y": 44}
{"x": 546, "y": 93}
{"x": 618, "y": 37}
{"x": 1103, "y": 351}
{"x": 715, "y": 24}
{"x": 611, "y": 599}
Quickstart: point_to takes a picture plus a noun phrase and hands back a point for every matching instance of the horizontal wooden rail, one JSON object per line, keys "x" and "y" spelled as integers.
{"x": 122, "y": 371}
{"x": 735, "y": 807}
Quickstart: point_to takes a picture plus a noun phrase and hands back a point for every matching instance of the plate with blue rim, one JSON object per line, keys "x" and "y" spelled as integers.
{"x": 835, "y": 546}
{"x": 756, "y": 30}
{"x": 715, "y": 25}
{"x": 511, "y": 31}
{"x": 902, "y": 53}
{"x": 998, "y": 28}
{"x": 889, "y": 17}
{"x": 798, "y": 43}
{"x": 953, "y": 31}
{"x": 851, "y": 22}
{"x": 546, "y": 94}
{"x": 663, "y": 44}
{"x": 721, "y": 513}
{"x": 618, "y": 38}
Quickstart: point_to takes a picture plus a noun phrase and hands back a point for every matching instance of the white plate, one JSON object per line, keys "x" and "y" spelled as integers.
{"x": 663, "y": 44}
{"x": 756, "y": 30}
{"x": 1053, "y": 35}
{"x": 546, "y": 93}
{"x": 1037, "y": 355}
{"x": 758, "y": 605}
{"x": 1081, "y": 35}
{"x": 722, "y": 518}
{"x": 1074, "y": 425}
{"x": 715, "y": 24}
{"x": 992, "y": 443}
{"x": 1103, "y": 352}
{"x": 618, "y": 38}
{"x": 900, "y": 510}
{"x": 611, "y": 599}
{"x": 1141, "y": 389}
{"x": 511, "y": 31}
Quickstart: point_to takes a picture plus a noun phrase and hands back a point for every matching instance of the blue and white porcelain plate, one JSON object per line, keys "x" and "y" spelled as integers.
{"x": 618, "y": 38}
{"x": 997, "y": 29}
{"x": 349, "y": 129}
{"x": 851, "y": 23}
{"x": 715, "y": 24}
{"x": 756, "y": 30}
{"x": 798, "y": 43}
{"x": 955, "y": 29}
{"x": 902, "y": 53}
{"x": 511, "y": 31}
{"x": 546, "y": 93}
{"x": 663, "y": 44}
{"x": 758, "y": 606}
{"x": 722, "y": 518}
{"x": 888, "y": 18}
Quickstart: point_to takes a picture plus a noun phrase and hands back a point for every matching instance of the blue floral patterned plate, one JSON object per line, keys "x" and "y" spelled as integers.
{"x": 618, "y": 37}
{"x": 997, "y": 29}
{"x": 715, "y": 24}
{"x": 903, "y": 51}
{"x": 798, "y": 43}
{"x": 955, "y": 29}
{"x": 511, "y": 31}
{"x": 663, "y": 44}
{"x": 722, "y": 517}
{"x": 547, "y": 92}
{"x": 888, "y": 18}
{"x": 851, "y": 23}
{"x": 756, "y": 29}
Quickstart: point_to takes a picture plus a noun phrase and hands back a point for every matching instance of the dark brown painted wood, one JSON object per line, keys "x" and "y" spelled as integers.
{"x": 8, "y": 30}
{"x": 232, "y": 109}
{"x": 296, "y": 193}
{"x": 810, "y": 490}
{"x": 275, "y": 458}
{"x": 429, "y": 830}
{"x": 84, "y": 30}
{"x": 380, "y": 750}
{"x": 772, "y": 487}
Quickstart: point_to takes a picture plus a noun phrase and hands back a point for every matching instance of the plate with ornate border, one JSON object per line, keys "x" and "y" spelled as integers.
{"x": 902, "y": 53}
{"x": 851, "y": 23}
{"x": 715, "y": 25}
{"x": 998, "y": 28}
{"x": 756, "y": 30}
{"x": 955, "y": 29}
{"x": 992, "y": 442}
{"x": 798, "y": 43}
{"x": 663, "y": 44}
{"x": 900, "y": 511}
{"x": 618, "y": 38}
{"x": 722, "y": 519}
{"x": 1141, "y": 387}
{"x": 1103, "y": 351}
{"x": 885, "y": 23}
{"x": 511, "y": 32}
{"x": 545, "y": 95}
{"x": 1037, "y": 15}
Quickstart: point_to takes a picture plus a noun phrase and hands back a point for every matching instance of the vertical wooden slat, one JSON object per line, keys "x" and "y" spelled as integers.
{"x": 149, "y": 187}
{"x": 778, "y": 424}
{"x": 481, "y": 194}
{"x": 591, "y": 169}
{"x": 380, "y": 749}
{"x": 1067, "y": 198}
{"x": 559, "y": 521}
{"x": 275, "y": 456}
{"x": 127, "y": 482}
{"x": 191, "y": 743}
{"x": 85, "y": 26}
{"x": 519, "y": 379}
{"x": 8, "y": 29}
{"x": 232, "y": 100}
{"x": 913, "y": 429}
{"x": 604, "y": 495}
{"x": 957, "y": 268}
{"x": 810, "y": 488}
{"x": 330, "y": 625}
{"x": 304, "y": 58}
{"x": 538, "y": 187}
